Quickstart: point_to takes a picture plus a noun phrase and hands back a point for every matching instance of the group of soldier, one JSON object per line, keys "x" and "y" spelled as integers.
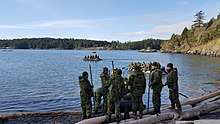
{"x": 91, "y": 57}
{"x": 115, "y": 89}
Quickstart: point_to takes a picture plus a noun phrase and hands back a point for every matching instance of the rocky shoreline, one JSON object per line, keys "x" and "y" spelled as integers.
{"x": 63, "y": 117}
{"x": 210, "y": 49}
{"x": 197, "y": 40}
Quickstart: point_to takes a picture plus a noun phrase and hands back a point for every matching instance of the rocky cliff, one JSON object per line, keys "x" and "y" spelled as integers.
{"x": 203, "y": 40}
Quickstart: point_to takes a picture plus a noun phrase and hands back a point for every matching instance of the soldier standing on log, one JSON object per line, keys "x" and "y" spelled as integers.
{"x": 102, "y": 92}
{"x": 86, "y": 93}
{"x": 172, "y": 82}
{"x": 156, "y": 85}
{"x": 115, "y": 94}
{"x": 137, "y": 82}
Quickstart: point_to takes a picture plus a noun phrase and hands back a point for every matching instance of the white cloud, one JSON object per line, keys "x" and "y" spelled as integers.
{"x": 9, "y": 27}
{"x": 160, "y": 31}
{"x": 171, "y": 28}
{"x": 56, "y": 24}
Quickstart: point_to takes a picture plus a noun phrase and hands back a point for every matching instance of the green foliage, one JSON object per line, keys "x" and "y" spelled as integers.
{"x": 137, "y": 45}
{"x": 52, "y": 43}
{"x": 210, "y": 23}
{"x": 201, "y": 33}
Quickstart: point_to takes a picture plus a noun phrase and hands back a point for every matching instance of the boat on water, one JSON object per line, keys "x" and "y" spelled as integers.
{"x": 147, "y": 50}
{"x": 94, "y": 58}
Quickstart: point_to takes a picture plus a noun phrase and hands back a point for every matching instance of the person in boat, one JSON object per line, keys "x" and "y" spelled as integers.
{"x": 96, "y": 56}
{"x": 90, "y": 57}
{"x": 172, "y": 83}
{"x": 86, "y": 93}
{"x": 85, "y": 58}
{"x": 102, "y": 92}
{"x": 137, "y": 82}
{"x": 156, "y": 85}
{"x": 115, "y": 94}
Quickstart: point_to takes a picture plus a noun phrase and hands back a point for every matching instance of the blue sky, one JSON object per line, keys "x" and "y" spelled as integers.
{"x": 122, "y": 20}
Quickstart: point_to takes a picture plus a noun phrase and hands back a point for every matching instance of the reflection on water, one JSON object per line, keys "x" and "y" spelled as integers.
{"x": 47, "y": 80}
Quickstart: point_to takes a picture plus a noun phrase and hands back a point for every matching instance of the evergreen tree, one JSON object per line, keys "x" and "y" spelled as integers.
{"x": 199, "y": 19}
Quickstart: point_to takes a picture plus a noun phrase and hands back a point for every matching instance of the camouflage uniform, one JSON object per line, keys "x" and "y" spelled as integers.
{"x": 172, "y": 82}
{"x": 156, "y": 85}
{"x": 138, "y": 86}
{"x": 86, "y": 93}
{"x": 102, "y": 92}
{"x": 116, "y": 92}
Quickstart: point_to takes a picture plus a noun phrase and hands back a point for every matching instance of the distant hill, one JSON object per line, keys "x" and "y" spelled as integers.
{"x": 52, "y": 43}
{"x": 200, "y": 40}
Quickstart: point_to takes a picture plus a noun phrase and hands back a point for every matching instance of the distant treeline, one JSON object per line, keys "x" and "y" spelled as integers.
{"x": 52, "y": 43}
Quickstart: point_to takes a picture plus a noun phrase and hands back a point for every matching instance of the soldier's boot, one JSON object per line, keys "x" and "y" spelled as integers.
{"x": 141, "y": 115}
{"x": 126, "y": 115}
{"x": 118, "y": 119}
{"x": 83, "y": 114}
{"x": 96, "y": 110}
{"x": 135, "y": 115}
{"x": 173, "y": 105}
{"x": 83, "y": 117}
{"x": 178, "y": 105}
{"x": 89, "y": 116}
{"x": 157, "y": 110}
{"x": 108, "y": 117}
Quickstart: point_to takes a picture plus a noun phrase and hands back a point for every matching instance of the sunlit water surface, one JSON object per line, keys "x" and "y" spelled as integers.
{"x": 47, "y": 80}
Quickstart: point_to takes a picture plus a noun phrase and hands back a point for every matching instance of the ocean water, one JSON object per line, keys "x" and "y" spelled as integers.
{"x": 47, "y": 80}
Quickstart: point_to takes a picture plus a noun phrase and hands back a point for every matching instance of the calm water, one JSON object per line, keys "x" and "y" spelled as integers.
{"x": 47, "y": 80}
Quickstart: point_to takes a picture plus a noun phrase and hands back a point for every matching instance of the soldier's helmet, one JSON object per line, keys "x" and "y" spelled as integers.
{"x": 170, "y": 65}
{"x": 114, "y": 72}
{"x": 158, "y": 65}
{"x": 85, "y": 74}
{"x": 119, "y": 72}
{"x": 105, "y": 69}
{"x": 137, "y": 68}
{"x": 154, "y": 65}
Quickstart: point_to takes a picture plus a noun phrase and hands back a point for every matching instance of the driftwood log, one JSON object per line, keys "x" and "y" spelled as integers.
{"x": 194, "y": 101}
{"x": 192, "y": 108}
{"x": 188, "y": 114}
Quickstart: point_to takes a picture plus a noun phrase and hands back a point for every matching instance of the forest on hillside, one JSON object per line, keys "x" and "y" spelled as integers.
{"x": 53, "y": 43}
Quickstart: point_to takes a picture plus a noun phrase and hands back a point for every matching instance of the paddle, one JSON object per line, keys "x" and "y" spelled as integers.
{"x": 90, "y": 70}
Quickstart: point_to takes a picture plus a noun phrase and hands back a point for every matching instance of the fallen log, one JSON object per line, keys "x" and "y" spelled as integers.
{"x": 166, "y": 116}
{"x": 96, "y": 120}
{"x": 194, "y": 101}
{"x": 188, "y": 114}
{"x": 153, "y": 119}
{"x": 200, "y": 110}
